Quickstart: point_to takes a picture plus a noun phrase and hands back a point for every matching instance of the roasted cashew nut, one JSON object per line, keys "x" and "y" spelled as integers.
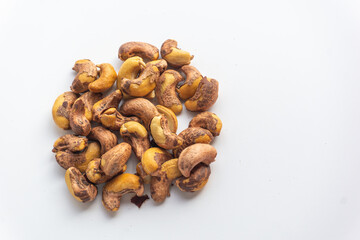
{"x": 161, "y": 64}
{"x": 106, "y": 80}
{"x": 79, "y": 188}
{"x": 205, "y": 96}
{"x": 61, "y": 109}
{"x": 136, "y": 135}
{"x": 144, "y": 50}
{"x": 170, "y": 116}
{"x": 191, "y": 136}
{"x": 130, "y": 69}
{"x": 162, "y": 134}
{"x": 106, "y": 138}
{"x": 165, "y": 90}
{"x": 95, "y": 174}
{"x": 193, "y": 78}
{"x": 113, "y": 120}
{"x": 78, "y": 121}
{"x": 173, "y": 55}
{"x": 146, "y": 178}
{"x": 86, "y": 74}
{"x": 195, "y": 154}
{"x": 153, "y": 158}
{"x": 70, "y": 142}
{"x": 197, "y": 180}
{"x": 113, "y": 161}
{"x": 209, "y": 121}
{"x": 89, "y": 99}
{"x": 110, "y": 101}
{"x": 119, "y": 186}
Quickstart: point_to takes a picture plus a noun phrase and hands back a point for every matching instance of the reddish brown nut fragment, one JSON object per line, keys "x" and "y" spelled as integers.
{"x": 113, "y": 161}
{"x": 70, "y": 142}
{"x": 197, "y": 180}
{"x": 205, "y": 96}
{"x": 110, "y": 101}
{"x": 61, "y": 109}
{"x": 78, "y": 121}
{"x": 209, "y": 121}
{"x": 81, "y": 189}
{"x": 138, "y": 201}
{"x": 106, "y": 138}
{"x": 87, "y": 73}
{"x": 113, "y": 120}
{"x": 173, "y": 55}
{"x": 193, "y": 78}
{"x": 144, "y": 50}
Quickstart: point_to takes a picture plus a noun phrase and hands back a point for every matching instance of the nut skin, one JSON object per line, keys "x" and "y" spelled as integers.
{"x": 107, "y": 78}
{"x": 142, "y": 174}
{"x": 89, "y": 99}
{"x": 193, "y": 78}
{"x": 191, "y": 136}
{"x": 153, "y": 158}
{"x": 78, "y": 186}
{"x": 86, "y": 74}
{"x": 78, "y": 121}
{"x": 209, "y": 121}
{"x": 141, "y": 108}
{"x": 61, "y": 109}
{"x": 173, "y": 55}
{"x": 197, "y": 180}
{"x": 110, "y": 101}
{"x": 161, "y": 64}
{"x": 170, "y": 116}
{"x": 130, "y": 70}
{"x": 136, "y": 135}
{"x": 165, "y": 90}
{"x": 119, "y": 186}
{"x": 205, "y": 96}
{"x": 94, "y": 173}
{"x": 106, "y": 138}
{"x": 144, "y": 50}
{"x": 113, "y": 120}
{"x": 195, "y": 154}
{"x": 113, "y": 161}
{"x": 70, "y": 142}
{"x": 162, "y": 134}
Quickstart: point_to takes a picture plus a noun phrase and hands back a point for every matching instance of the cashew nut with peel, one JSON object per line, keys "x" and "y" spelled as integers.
{"x": 136, "y": 135}
{"x": 78, "y": 186}
{"x": 146, "y": 178}
{"x": 106, "y": 80}
{"x": 205, "y": 96}
{"x": 165, "y": 90}
{"x": 86, "y": 74}
{"x": 161, "y": 64}
{"x": 153, "y": 158}
{"x": 113, "y": 161}
{"x": 162, "y": 134}
{"x": 119, "y": 186}
{"x": 89, "y": 99}
{"x": 106, "y": 138}
{"x": 95, "y": 174}
{"x": 193, "y": 78}
{"x": 130, "y": 69}
{"x": 195, "y": 154}
{"x": 173, "y": 55}
{"x": 61, "y": 109}
{"x": 113, "y": 120}
{"x": 110, "y": 101}
{"x": 141, "y": 49}
{"x": 78, "y": 121}
{"x": 70, "y": 142}
{"x": 209, "y": 121}
{"x": 170, "y": 116}
{"x": 197, "y": 180}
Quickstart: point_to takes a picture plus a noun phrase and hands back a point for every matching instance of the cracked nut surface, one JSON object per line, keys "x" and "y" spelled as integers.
{"x": 113, "y": 161}
{"x": 173, "y": 55}
{"x": 107, "y": 78}
{"x": 193, "y": 78}
{"x": 61, "y": 109}
{"x": 162, "y": 134}
{"x": 86, "y": 73}
{"x": 78, "y": 186}
{"x": 209, "y": 121}
{"x": 70, "y": 142}
{"x": 106, "y": 138}
{"x": 136, "y": 135}
{"x": 197, "y": 180}
{"x": 144, "y": 50}
{"x": 205, "y": 96}
{"x": 110, "y": 101}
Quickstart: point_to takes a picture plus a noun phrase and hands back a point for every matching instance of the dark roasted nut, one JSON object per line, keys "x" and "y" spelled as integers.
{"x": 86, "y": 74}
{"x": 110, "y": 101}
{"x": 141, "y": 49}
{"x": 81, "y": 189}
{"x": 113, "y": 161}
{"x": 70, "y": 142}
{"x": 106, "y": 138}
{"x": 205, "y": 96}
{"x": 61, "y": 109}
{"x": 113, "y": 120}
{"x": 209, "y": 121}
{"x": 136, "y": 135}
{"x": 197, "y": 180}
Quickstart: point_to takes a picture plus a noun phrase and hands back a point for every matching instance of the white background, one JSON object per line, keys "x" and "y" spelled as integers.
{"x": 288, "y": 164}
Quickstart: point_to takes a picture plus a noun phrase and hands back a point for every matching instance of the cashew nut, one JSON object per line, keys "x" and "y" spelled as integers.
{"x": 61, "y": 109}
{"x": 86, "y": 73}
{"x": 193, "y": 78}
{"x": 141, "y": 49}
{"x": 205, "y": 96}
{"x": 209, "y": 121}
{"x": 146, "y": 178}
{"x": 173, "y": 55}
{"x": 197, "y": 180}
{"x": 195, "y": 154}
{"x": 70, "y": 143}
{"x": 113, "y": 161}
{"x": 89, "y": 99}
{"x": 113, "y": 120}
{"x": 162, "y": 134}
{"x": 95, "y": 174}
{"x": 153, "y": 158}
{"x": 130, "y": 69}
{"x": 110, "y": 101}
{"x": 165, "y": 90}
{"x": 106, "y": 138}
{"x": 79, "y": 188}
{"x": 136, "y": 135}
{"x": 78, "y": 121}
{"x": 170, "y": 116}
{"x": 119, "y": 186}
{"x": 106, "y": 80}
{"x": 161, "y": 64}
{"x": 191, "y": 136}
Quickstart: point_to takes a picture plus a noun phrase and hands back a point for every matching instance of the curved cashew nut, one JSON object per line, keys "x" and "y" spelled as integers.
{"x": 153, "y": 158}
{"x": 209, "y": 121}
{"x": 119, "y": 186}
{"x": 162, "y": 134}
{"x": 195, "y": 154}
{"x": 87, "y": 73}
{"x": 113, "y": 120}
{"x": 95, "y": 174}
{"x": 165, "y": 90}
{"x": 197, "y": 180}
{"x": 79, "y": 188}
{"x": 106, "y": 138}
{"x": 193, "y": 78}
{"x": 113, "y": 161}
{"x": 141, "y": 108}
{"x": 191, "y": 136}
{"x": 141, "y": 49}
{"x": 110, "y": 101}
{"x": 78, "y": 121}
{"x": 170, "y": 116}
{"x": 173, "y": 55}
{"x": 130, "y": 69}
{"x": 61, "y": 109}
{"x": 89, "y": 99}
{"x": 70, "y": 142}
{"x": 106, "y": 80}
{"x": 136, "y": 135}
{"x": 205, "y": 96}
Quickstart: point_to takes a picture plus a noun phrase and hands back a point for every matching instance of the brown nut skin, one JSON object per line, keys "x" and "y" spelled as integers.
{"x": 144, "y": 50}
{"x": 94, "y": 173}
{"x": 119, "y": 186}
{"x": 141, "y": 108}
{"x": 86, "y": 73}
{"x": 136, "y": 135}
{"x": 70, "y": 142}
{"x": 209, "y": 121}
{"x": 197, "y": 180}
{"x": 146, "y": 178}
{"x": 110, "y": 101}
{"x": 78, "y": 121}
{"x": 113, "y": 161}
{"x": 205, "y": 96}
{"x": 162, "y": 134}
{"x": 170, "y": 116}
{"x": 191, "y": 136}
{"x": 195, "y": 154}
{"x": 78, "y": 186}
{"x": 113, "y": 120}
{"x": 193, "y": 78}
{"x": 61, "y": 109}
{"x": 161, "y": 64}
{"x": 107, "y": 78}
{"x": 106, "y": 138}
{"x": 165, "y": 90}
{"x": 153, "y": 158}
{"x": 89, "y": 99}
{"x": 173, "y": 55}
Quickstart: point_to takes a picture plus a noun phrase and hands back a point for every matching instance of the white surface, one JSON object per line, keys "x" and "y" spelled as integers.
{"x": 288, "y": 156}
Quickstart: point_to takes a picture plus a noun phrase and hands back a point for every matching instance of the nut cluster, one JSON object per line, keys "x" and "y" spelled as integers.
{"x": 93, "y": 155}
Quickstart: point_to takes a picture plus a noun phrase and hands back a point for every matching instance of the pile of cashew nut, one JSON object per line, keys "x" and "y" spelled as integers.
{"x": 92, "y": 154}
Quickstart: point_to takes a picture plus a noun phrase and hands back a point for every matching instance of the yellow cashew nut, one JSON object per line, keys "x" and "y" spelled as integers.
{"x": 80, "y": 189}
{"x": 86, "y": 74}
{"x": 205, "y": 96}
{"x": 61, "y": 109}
{"x": 173, "y": 55}
{"x": 136, "y": 135}
{"x": 106, "y": 80}
{"x": 193, "y": 78}
{"x": 209, "y": 121}
{"x": 170, "y": 116}
{"x": 162, "y": 134}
